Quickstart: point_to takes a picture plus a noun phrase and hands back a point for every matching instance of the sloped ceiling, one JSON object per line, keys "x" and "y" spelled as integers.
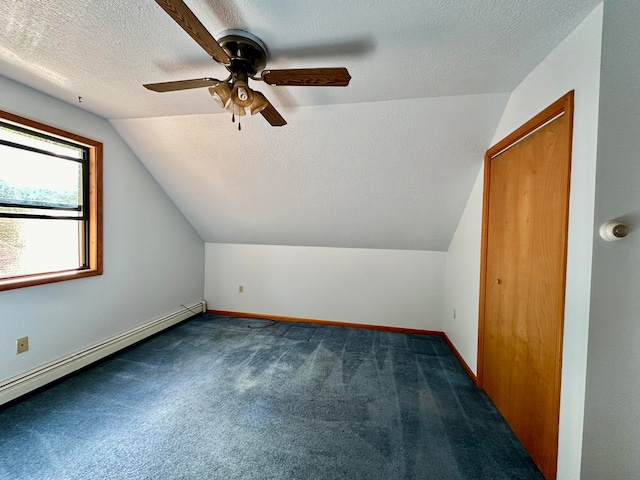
{"x": 387, "y": 162}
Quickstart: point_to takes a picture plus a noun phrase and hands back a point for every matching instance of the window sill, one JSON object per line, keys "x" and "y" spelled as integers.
{"x": 44, "y": 278}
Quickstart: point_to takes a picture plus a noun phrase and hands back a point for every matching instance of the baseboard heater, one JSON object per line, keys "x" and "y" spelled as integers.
{"x": 47, "y": 373}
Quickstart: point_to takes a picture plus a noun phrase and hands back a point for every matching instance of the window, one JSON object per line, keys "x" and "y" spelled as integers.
{"x": 50, "y": 204}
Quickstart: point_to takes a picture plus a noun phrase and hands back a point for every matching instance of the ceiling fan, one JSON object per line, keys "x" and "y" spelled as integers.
{"x": 244, "y": 56}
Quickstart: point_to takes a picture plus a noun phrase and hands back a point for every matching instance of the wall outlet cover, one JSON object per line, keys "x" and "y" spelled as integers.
{"x": 22, "y": 345}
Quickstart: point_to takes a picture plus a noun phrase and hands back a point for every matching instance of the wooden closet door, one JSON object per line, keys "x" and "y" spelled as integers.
{"x": 524, "y": 285}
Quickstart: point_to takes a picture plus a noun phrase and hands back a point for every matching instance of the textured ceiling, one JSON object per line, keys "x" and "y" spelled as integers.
{"x": 387, "y": 162}
{"x": 384, "y": 175}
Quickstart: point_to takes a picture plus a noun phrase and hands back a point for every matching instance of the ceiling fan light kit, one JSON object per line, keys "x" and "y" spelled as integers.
{"x": 244, "y": 55}
{"x": 241, "y": 94}
{"x": 259, "y": 103}
{"x": 221, "y": 94}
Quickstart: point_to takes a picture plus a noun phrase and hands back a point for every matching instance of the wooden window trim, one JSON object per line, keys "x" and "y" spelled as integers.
{"x": 95, "y": 207}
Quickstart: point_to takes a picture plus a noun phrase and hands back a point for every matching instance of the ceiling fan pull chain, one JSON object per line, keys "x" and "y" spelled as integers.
{"x": 239, "y": 125}
{"x": 233, "y": 117}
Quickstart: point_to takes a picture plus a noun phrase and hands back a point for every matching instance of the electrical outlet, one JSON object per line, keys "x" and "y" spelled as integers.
{"x": 22, "y": 345}
{"x": 241, "y": 289}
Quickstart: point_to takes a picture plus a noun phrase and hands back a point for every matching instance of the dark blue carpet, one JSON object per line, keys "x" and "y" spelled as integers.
{"x": 228, "y": 398}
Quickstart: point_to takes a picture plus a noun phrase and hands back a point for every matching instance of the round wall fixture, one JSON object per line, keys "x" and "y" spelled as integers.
{"x": 613, "y": 230}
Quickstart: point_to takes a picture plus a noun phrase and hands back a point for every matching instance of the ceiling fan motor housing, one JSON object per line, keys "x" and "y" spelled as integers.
{"x": 247, "y": 52}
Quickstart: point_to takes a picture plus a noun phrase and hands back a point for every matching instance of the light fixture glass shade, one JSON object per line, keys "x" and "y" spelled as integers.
{"x": 259, "y": 103}
{"x": 241, "y": 94}
{"x": 233, "y": 108}
{"x": 221, "y": 93}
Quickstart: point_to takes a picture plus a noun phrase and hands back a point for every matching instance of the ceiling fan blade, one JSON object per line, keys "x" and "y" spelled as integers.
{"x": 271, "y": 115}
{"x": 190, "y": 23}
{"x": 308, "y": 77}
{"x": 181, "y": 84}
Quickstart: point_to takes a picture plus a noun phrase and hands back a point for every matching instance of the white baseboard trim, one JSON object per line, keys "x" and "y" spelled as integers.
{"x": 47, "y": 373}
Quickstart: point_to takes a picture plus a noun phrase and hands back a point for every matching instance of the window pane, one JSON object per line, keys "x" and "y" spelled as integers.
{"x": 35, "y": 141}
{"x": 38, "y": 179}
{"x": 29, "y": 246}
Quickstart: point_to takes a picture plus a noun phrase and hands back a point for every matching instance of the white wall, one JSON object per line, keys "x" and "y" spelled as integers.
{"x": 573, "y": 65}
{"x": 463, "y": 279}
{"x": 399, "y": 288}
{"x": 153, "y": 259}
{"x": 612, "y": 410}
